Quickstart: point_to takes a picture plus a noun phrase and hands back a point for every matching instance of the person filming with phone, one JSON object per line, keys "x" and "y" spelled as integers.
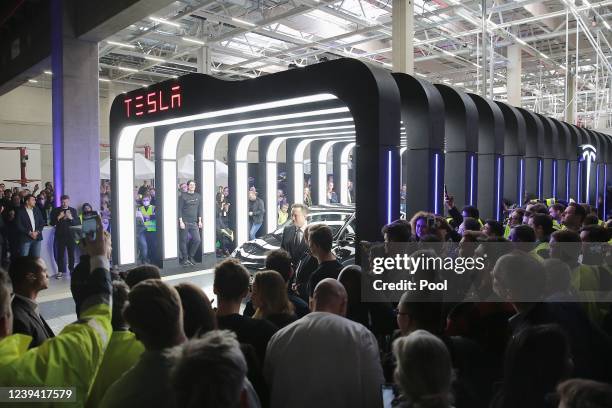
{"x": 63, "y": 218}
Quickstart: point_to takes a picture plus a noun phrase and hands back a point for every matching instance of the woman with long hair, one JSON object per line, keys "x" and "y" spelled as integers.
{"x": 270, "y": 299}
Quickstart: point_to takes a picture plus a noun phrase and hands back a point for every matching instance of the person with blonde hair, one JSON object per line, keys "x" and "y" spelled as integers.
{"x": 270, "y": 299}
{"x": 424, "y": 370}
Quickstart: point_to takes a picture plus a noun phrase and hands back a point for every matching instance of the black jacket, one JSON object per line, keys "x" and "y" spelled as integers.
{"x": 24, "y": 226}
{"x": 288, "y": 243}
{"x": 258, "y": 210}
{"x": 62, "y": 227}
{"x": 189, "y": 207}
{"x": 26, "y": 322}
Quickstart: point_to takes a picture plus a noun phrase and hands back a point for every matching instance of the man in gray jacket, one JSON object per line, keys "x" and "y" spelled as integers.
{"x": 256, "y": 213}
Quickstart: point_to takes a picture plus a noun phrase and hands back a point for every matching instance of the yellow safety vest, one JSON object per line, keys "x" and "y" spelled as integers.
{"x": 507, "y": 231}
{"x": 122, "y": 353}
{"x": 71, "y": 359}
{"x": 550, "y": 201}
{"x": 151, "y": 223}
{"x": 585, "y": 279}
{"x": 556, "y": 225}
{"x": 542, "y": 250}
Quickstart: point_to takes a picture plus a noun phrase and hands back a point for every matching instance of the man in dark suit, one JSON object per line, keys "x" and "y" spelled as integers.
{"x": 29, "y": 277}
{"x": 292, "y": 240}
{"x": 30, "y": 224}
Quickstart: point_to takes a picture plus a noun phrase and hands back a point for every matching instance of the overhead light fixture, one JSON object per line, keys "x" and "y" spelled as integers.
{"x": 32, "y": 81}
{"x": 239, "y": 21}
{"x": 193, "y": 40}
{"x": 518, "y": 40}
{"x": 544, "y": 55}
{"x": 127, "y": 69}
{"x": 156, "y": 59}
{"x": 445, "y": 52}
{"x": 386, "y": 64}
{"x": 605, "y": 23}
{"x": 104, "y": 80}
{"x": 164, "y": 21}
{"x": 48, "y": 72}
{"x": 120, "y": 44}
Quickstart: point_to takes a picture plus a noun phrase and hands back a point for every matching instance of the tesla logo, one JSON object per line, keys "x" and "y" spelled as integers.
{"x": 152, "y": 102}
{"x": 588, "y": 154}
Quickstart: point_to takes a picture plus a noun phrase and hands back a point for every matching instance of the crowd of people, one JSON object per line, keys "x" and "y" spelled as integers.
{"x": 299, "y": 335}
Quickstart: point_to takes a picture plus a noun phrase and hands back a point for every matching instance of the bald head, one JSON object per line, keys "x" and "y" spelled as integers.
{"x": 329, "y": 296}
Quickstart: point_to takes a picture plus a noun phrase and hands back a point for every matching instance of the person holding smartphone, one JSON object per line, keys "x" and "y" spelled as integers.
{"x": 63, "y": 218}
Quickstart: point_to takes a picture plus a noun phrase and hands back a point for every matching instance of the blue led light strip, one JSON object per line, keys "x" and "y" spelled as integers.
{"x": 389, "y": 184}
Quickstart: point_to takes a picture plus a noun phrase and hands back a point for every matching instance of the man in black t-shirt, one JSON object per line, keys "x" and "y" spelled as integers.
{"x": 190, "y": 223}
{"x": 231, "y": 285}
{"x": 320, "y": 238}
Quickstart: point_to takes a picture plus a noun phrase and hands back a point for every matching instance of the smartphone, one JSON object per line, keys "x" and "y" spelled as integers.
{"x": 90, "y": 225}
{"x": 388, "y": 394}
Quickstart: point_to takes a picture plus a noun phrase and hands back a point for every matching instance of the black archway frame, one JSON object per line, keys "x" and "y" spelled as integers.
{"x": 534, "y": 153}
{"x": 460, "y": 145}
{"x": 422, "y": 112}
{"x": 515, "y": 141}
{"x": 491, "y": 129}
{"x": 550, "y": 155}
{"x": 374, "y": 105}
{"x": 576, "y": 168}
{"x": 565, "y": 155}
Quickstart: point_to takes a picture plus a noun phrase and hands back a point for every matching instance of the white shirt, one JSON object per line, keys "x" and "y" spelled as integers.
{"x": 324, "y": 360}
{"x": 30, "y": 212}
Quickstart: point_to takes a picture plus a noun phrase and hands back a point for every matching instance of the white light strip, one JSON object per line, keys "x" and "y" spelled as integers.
{"x": 209, "y": 215}
{"x": 126, "y": 215}
{"x": 128, "y": 135}
{"x": 164, "y": 21}
{"x": 170, "y": 210}
{"x": 171, "y": 143}
{"x": 344, "y": 158}
{"x": 120, "y": 44}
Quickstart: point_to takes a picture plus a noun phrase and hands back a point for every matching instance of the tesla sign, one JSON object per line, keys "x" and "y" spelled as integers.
{"x": 152, "y": 102}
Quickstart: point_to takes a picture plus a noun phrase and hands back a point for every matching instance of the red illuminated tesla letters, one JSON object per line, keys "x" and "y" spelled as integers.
{"x": 153, "y": 102}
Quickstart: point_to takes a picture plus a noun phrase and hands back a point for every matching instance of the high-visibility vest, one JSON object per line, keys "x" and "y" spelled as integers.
{"x": 72, "y": 358}
{"x": 556, "y": 225}
{"x": 507, "y": 230}
{"x": 150, "y": 224}
{"x": 542, "y": 250}
{"x": 550, "y": 201}
{"x": 122, "y": 353}
{"x": 585, "y": 280}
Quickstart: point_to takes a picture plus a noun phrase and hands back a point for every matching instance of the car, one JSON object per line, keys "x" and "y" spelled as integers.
{"x": 252, "y": 254}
